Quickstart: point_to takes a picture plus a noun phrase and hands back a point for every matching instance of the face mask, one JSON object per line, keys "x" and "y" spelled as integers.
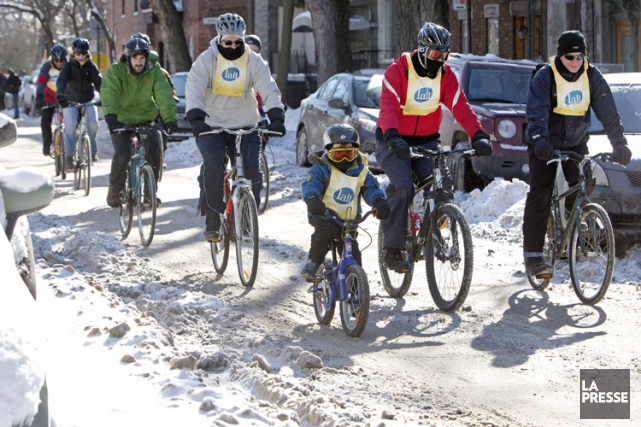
{"x": 432, "y": 67}
{"x": 231, "y": 53}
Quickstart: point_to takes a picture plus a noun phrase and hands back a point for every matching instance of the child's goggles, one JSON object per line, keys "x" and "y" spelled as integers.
{"x": 343, "y": 154}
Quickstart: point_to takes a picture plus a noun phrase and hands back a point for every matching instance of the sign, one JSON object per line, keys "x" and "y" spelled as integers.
{"x": 210, "y": 21}
{"x": 459, "y": 4}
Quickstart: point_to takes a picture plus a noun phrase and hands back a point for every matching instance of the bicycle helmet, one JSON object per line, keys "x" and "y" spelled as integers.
{"x": 136, "y": 46}
{"x": 143, "y": 36}
{"x": 80, "y": 45}
{"x": 340, "y": 133}
{"x": 253, "y": 39}
{"x": 230, "y": 24}
{"x": 58, "y": 51}
{"x": 433, "y": 37}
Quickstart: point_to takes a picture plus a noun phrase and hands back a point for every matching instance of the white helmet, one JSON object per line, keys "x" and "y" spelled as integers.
{"x": 230, "y": 24}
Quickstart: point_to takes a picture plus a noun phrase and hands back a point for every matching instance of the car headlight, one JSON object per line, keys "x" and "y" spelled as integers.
{"x": 599, "y": 173}
{"x": 507, "y": 129}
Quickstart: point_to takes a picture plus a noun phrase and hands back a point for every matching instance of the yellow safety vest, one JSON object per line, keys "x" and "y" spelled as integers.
{"x": 230, "y": 76}
{"x": 343, "y": 191}
{"x": 423, "y": 94}
{"x": 572, "y": 98}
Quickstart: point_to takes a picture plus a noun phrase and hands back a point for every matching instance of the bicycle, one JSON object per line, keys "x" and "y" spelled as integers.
{"x": 585, "y": 238}
{"x": 346, "y": 278}
{"x": 82, "y": 150}
{"x": 440, "y": 231}
{"x": 56, "y": 152}
{"x": 240, "y": 219}
{"x": 140, "y": 188}
{"x": 264, "y": 169}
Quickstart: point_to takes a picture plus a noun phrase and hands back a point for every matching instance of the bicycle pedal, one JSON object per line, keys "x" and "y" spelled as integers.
{"x": 545, "y": 276}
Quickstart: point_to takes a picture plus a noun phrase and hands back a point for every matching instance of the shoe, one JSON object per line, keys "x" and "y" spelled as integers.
{"x": 113, "y": 197}
{"x": 212, "y": 230}
{"x": 147, "y": 201}
{"x": 310, "y": 270}
{"x": 94, "y": 158}
{"x": 537, "y": 267}
{"x": 69, "y": 164}
{"x": 46, "y": 150}
{"x": 395, "y": 260}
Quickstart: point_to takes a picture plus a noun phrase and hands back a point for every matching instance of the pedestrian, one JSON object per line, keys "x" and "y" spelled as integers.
{"x": 414, "y": 87}
{"x": 3, "y": 84}
{"x": 46, "y": 92}
{"x": 557, "y": 121}
{"x": 220, "y": 92}
{"x": 338, "y": 179}
{"x": 13, "y": 87}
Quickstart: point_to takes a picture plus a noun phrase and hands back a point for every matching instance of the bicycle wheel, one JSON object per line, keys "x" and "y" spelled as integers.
{"x": 56, "y": 150}
{"x": 449, "y": 260}
{"x": 63, "y": 166}
{"x": 396, "y": 284}
{"x": 77, "y": 172}
{"x": 126, "y": 210}
{"x": 146, "y": 205}
{"x": 324, "y": 296}
{"x": 548, "y": 255}
{"x": 85, "y": 163}
{"x": 592, "y": 254}
{"x": 162, "y": 155}
{"x": 220, "y": 249}
{"x": 355, "y": 309}
{"x": 247, "y": 245}
{"x": 264, "y": 193}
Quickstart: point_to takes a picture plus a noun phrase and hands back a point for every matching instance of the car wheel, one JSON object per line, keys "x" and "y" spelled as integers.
{"x": 463, "y": 175}
{"x": 301, "y": 148}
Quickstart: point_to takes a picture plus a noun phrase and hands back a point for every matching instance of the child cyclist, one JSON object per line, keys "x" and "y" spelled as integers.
{"x": 336, "y": 180}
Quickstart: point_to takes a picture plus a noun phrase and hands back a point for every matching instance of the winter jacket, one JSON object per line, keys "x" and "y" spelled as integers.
{"x": 319, "y": 176}
{"x": 77, "y": 81}
{"x": 136, "y": 99}
{"x": 47, "y": 83}
{"x": 3, "y": 83}
{"x": 569, "y": 131}
{"x": 394, "y": 95}
{"x": 13, "y": 84}
{"x": 230, "y": 111}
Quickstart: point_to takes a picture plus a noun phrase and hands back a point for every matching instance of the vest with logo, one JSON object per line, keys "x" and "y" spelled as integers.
{"x": 230, "y": 76}
{"x": 342, "y": 192}
{"x": 423, "y": 94}
{"x": 572, "y": 98}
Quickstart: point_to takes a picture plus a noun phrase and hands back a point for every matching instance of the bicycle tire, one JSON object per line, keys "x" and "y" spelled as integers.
{"x": 220, "y": 249}
{"x": 63, "y": 169}
{"x": 77, "y": 172}
{"x": 548, "y": 255}
{"x": 449, "y": 275}
{"x": 396, "y": 284}
{"x": 162, "y": 156}
{"x": 324, "y": 295}
{"x": 591, "y": 270}
{"x": 126, "y": 210}
{"x": 355, "y": 309}
{"x": 85, "y": 163}
{"x": 58, "y": 157}
{"x": 247, "y": 245}
{"x": 146, "y": 205}
{"x": 264, "y": 192}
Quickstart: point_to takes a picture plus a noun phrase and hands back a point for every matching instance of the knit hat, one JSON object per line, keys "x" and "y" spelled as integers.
{"x": 570, "y": 41}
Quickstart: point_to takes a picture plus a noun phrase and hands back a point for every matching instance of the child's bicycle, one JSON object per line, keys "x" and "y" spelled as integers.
{"x": 82, "y": 150}
{"x": 345, "y": 280}
{"x": 440, "y": 235}
{"x": 57, "y": 147}
{"x": 140, "y": 188}
{"x": 239, "y": 223}
{"x": 585, "y": 238}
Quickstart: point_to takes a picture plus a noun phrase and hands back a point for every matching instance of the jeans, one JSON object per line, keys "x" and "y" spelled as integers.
{"x": 15, "y": 106}
{"x": 70, "y": 118}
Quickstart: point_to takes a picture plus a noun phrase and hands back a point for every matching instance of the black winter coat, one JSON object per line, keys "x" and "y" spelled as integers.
{"x": 13, "y": 84}
{"x": 76, "y": 82}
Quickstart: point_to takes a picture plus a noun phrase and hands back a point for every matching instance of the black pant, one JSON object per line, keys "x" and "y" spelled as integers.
{"x": 45, "y": 125}
{"x": 539, "y": 198}
{"x": 122, "y": 153}
{"x": 325, "y": 231}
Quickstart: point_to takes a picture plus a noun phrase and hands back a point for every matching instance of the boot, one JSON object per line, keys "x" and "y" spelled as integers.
{"x": 536, "y": 266}
{"x": 69, "y": 164}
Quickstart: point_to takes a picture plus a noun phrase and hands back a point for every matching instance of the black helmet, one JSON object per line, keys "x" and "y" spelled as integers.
{"x": 136, "y": 46}
{"x": 253, "y": 39}
{"x": 433, "y": 36}
{"x": 58, "y": 51}
{"x": 143, "y": 36}
{"x": 340, "y": 133}
{"x": 230, "y": 24}
{"x": 80, "y": 45}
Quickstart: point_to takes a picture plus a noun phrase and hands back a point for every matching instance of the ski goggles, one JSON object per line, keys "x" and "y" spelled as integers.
{"x": 343, "y": 154}
{"x": 436, "y": 54}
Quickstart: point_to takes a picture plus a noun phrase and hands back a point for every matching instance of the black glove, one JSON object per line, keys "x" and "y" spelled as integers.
{"x": 197, "y": 119}
{"x": 113, "y": 123}
{"x": 315, "y": 206}
{"x": 481, "y": 143}
{"x": 621, "y": 153}
{"x": 62, "y": 101}
{"x": 399, "y": 147}
{"x": 171, "y": 127}
{"x": 381, "y": 209}
{"x": 543, "y": 149}
{"x": 39, "y": 102}
{"x": 277, "y": 121}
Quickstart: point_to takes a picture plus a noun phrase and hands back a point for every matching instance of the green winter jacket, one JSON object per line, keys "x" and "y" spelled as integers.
{"x": 137, "y": 99}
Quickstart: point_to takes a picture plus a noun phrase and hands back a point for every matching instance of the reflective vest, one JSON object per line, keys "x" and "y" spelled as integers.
{"x": 343, "y": 191}
{"x": 572, "y": 98}
{"x": 230, "y": 76}
{"x": 423, "y": 94}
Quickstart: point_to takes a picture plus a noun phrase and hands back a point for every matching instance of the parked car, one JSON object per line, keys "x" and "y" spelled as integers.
{"x": 179, "y": 80}
{"x": 343, "y": 98}
{"x": 496, "y": 89}
{"x": 618, "y": 188}
{"x": 28, "y": 97}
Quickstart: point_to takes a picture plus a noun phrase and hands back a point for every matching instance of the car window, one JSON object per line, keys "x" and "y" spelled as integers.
{"x": 179, "y": 81}
{"x": 508, "y": 85}
{"x": 342, "y": 91}
{"x": 628, "y": 101}
{"x": 367, "y": 93}
{"x": 327, "y": 90}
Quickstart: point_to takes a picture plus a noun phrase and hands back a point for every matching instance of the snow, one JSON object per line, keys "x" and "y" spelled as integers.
{"x": 127, "y": 347}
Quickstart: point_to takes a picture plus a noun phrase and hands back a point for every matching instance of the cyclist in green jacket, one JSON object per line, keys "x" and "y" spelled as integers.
{"x": 134, "y": 92}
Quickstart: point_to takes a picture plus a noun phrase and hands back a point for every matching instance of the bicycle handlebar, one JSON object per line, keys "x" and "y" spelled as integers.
{"x": 563, "y": 155}
{"x": 85, "y": 104}
{"x": 332, "y": 214}
{"x": 136, "y": 129}
{"x": 237, "y": 132}
{"x": 417, "y": 152}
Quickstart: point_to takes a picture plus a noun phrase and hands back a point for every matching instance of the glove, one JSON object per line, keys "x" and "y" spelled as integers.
{"x": 381, "y": 209}
{"x": 399, "y": 147}
{"x": 62, "y": 101}
{"x": 543, "y": 149}
{"x": 171, "y": 127}
{"x": 197, "y": 119}
{"x": 315, "y": 206}
{"x": 621, "y": 153}
{"x": 39, "y": 102}
{"x": 113, "y": 123}
{"x": 481, "y": 143}
{"x": 277, "y": 121}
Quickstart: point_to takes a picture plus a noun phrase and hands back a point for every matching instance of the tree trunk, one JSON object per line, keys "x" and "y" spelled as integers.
{"x": 410, "y": 17}
{"x": 95, "y": 12}
{"x": 343, "y": 40}
{"x": 285, "y": 48}
{"x": 172, "y": 34}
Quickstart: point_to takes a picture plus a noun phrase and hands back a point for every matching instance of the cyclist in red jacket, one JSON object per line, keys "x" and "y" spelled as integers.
{"x": 46, "y": 92}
